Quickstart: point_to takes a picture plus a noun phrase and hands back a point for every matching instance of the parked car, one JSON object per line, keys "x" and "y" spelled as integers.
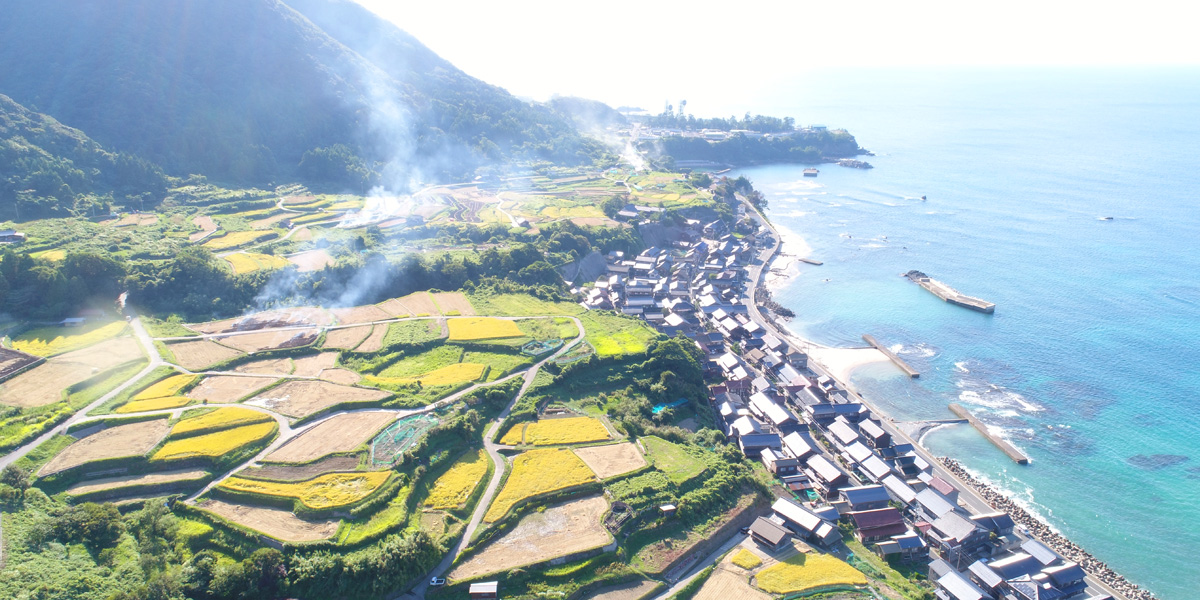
{"x": 436, "y": 581}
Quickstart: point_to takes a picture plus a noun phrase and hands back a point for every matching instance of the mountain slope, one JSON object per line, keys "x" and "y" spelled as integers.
{"x": 240, "y": 90}
{"x": 48, "y": 169}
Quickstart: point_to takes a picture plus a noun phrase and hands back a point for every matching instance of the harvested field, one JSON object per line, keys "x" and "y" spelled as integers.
{"x": 45, "y": 383}
{"x": 270, "y": 221}
{"x": 374, "y": 342}
{"x": 724, "y": 584}
{"x": 134, "y": 439}
{"x": 266, "y": 366}
{"x": 112, "y": 483}
{"x": 340, "y": 376}
{"x": 558, "y": 531}
{"x": 482, "y": 328}
{"x": 612, "y": 460}
{"x": 270, "y": 340}
{"x": 206, "y": 225}
{"x": 346, "y": 338}
{"x": 201, "y": 354}
{"x": 449, "y": 302}
{"x": 303, "y": 398}
{"x": 419, "y": 303}
{"x": 48, "y": 341}
{"x": 284, "y": 317}
{"x": 312, "y": 365}
{"x": 294, "y": 200}
{"x": 302, "y": 234}
{"x": 223, "y": 389}
{"x": 277, "y": 523}
{"x": 626, "y": 591}
{"x": 312, "y": 260}
{"x": 216, "y": 444}
{"x": 340, "y": 433}
{"x": 332, "y": 490}
{"x": 394, "y": 308}
{"x": 236, "y": 239}
{"x": 301, "y": 472}
{"x": 360, "y": 314}
{"x": 12, "y": 361}
{"x": 538, "y": 472}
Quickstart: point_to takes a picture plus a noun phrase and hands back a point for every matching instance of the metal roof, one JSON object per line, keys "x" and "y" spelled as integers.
{"x": 864, "y": 494}
{"x": 902, "y": 491}
{"x": 959, "y": 587}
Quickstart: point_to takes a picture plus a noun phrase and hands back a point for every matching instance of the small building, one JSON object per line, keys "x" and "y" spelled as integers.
{"x": 953, "y": 586}
{"x": 865, "y": 497}
{"x": 875, "y": 436}
{"x": 752, "y": 445}
{"x": 908, "y": 547}
{"x": 805, "y": 523}
{"x": 931, "y": 506}
{"x": 769, "y": 534}
{"x": 667, "y": 509}
{"x": 878, "y": 524}
{"x": 799, "y": 445}
{"x": 484, "y": 590}
{"x": 72, "y": 322}
{"x": 779, "y": 464}
{"x": 825, "y": 474}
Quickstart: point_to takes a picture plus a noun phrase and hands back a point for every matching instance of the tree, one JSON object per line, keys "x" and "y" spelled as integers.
{"x": 16, "y": 477}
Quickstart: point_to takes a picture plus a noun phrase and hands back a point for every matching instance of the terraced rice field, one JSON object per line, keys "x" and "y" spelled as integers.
{"x": 222, "y": 418}
{"x": 235, "y": 239}
{"x": 725, "y": 584}
{"x": 224, "y": 389}
{"x": 49, "y": 341}
{"x": 482, "y": 328}
{"x": 449, "y": 375}
{"x": 266, "y": 366}
{"x": 538, "y": 472}
{"x": 216, "y": 444}
{"x": 339, "y": 433}
{"x": 455, "y": 486}
{"x": 249, "y": 262}
{"x": 301, "y": 472}
{"x": 333, "y": 490}
{"x": 270, "y": 340}
{"x": 571, "y": 430}
{"x": 125, "y": 481}
{"x": 453, "y": 303}
{"x": 419, "y": 304}
{"x": 201, "y": 354}
{"x": 394, "y": 308}
{"x": 47, "y": 382}
{"x": 374, "y": 342}
{"x": 541, "y": 536}
{"x": 311, "y": 260}
{"x": 313, "y": 364}
{"x": 804, "y": 572}
{"x": 133, "y": 439}
{"x": 277, "y": 523}
{"x": 299, "y": 316}
{"x": 746, "y": 559}
{"x": 303, "y": 398}
{"x": 346, "y": 338}
{"x": 137, "y": 406}
{"x": 169, "y": 386}
{"x": 360, "y": 314}
{"x": 611, "y": 460}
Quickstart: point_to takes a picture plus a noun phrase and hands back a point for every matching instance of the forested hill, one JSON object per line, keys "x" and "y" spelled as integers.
{"x": 241, "y": 90}
{"x": 48, "y": 169}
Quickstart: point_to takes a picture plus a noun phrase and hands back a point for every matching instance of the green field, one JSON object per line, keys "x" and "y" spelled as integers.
{"x": 674, "y": 460}
{"x": 419, "y": 364}
{"x": 615, "y": 335}
{"x": 501, "y": 363}
{"x": 412, "y": 332}
{"x": 549, "y": 329}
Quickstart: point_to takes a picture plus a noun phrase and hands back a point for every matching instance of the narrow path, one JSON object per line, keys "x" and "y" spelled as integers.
{"x": 733, "y": 540}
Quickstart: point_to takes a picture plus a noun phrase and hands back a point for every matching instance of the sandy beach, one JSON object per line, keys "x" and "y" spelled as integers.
{"x": 785, "y": 266}
{"x": 841, "y": 362}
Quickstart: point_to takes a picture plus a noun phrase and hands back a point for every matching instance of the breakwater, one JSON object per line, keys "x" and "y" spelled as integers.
{"x": 911, "y": 372}
{"x": 1068, "y": 549}
{"x": 950, "y": 294}
{"x": 1001, "y": 443}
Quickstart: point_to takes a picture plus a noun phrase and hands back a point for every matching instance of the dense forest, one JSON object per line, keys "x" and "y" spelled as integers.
{"x": 50, "y": 170}
{"x": 241, "y": 90}
{"x": 760, "y": 123}
{"x": 800, "y": 147}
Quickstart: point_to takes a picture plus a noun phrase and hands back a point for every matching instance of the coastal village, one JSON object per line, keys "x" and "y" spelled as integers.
{"x": 838, "y": 465}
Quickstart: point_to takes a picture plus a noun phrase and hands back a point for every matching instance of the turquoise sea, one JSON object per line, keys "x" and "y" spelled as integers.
{"x": 1091, "y": 363}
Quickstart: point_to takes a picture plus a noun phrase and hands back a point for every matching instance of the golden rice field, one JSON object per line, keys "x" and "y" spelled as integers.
{"x": 448, "y": 375}
{"x": 746, "y": 559}
{"x": 572, "y": 430}
{"x": 214, "y": 444}
{"x": 249, "y": 262}
{"x": 538, "y": 472}
{"x": 167, "y": 387}
{"x": 222, "y": 418}
{"x": 236, "y": 238}
{"x": 454, "y": 487}
{"x": 482, "y": 328}
{"x": 804, "y": 572}
{"x": 136, "y": 406}
{"x": 331, "y": 490}
{"x": 48, "y": 341}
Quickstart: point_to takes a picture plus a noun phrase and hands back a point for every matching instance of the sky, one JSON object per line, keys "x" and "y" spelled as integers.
{"x": 639, "y": 53}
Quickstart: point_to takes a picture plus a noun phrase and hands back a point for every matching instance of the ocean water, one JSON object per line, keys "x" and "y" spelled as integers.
{"x": 1091, "y": 363}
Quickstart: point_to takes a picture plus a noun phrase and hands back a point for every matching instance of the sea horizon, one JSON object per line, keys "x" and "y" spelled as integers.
{"x": 1088, "y": 364}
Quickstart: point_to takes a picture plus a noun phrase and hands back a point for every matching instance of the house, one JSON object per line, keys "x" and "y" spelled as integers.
{"x": 878, "y": 524}
{"x": 799, "y": 445}
{"x": 769, "y": 534}
{"x": 743, "y": 426}
{"x": 908, "y": 547}
{"x": 484, "y": 590}
{"x": 780, "y": 464}
{"x": 842, "y": 433}
{"x": 753, "y": 444}
{"x": 875, "y": 469}
{"x": 956, "y": 538}
{"x": 804, "y": 523}
{"x": 769, "y": 410}
{"x": 1043, "y": 554}
{"x": 999, "y": 523}
{"x": 865, "y": 497}
{"x": 825, "y": 474}
{"x": 990, "y": 576}
{"x": 11, "y": 236}
{"x": 953, "y": 586}
{"x": 898, "y": 489}
{"x": 875, "y": 436}
{"x": 1067, "y": 578}
{"x": 931, "y": 506}
{"x": 945, "y": 488}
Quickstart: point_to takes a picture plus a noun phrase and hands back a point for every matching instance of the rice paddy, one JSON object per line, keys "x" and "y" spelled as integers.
{"x": 804, "y": 572}
{"x": 454, "y": 487}
{"x": 222, "y": 418}
{"x": 482, "y": 328}
{"x": 538, "y": 472}
{"x": 48, "y": 341}
{"x": 249, "y": 262}
{"x": 212, "y": 445}
{"x": 548, "y": 432}
{"x": 333, "y": 490}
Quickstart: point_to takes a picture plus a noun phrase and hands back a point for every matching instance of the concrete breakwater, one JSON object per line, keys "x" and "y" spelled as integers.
{"x": 1068, "y": 549}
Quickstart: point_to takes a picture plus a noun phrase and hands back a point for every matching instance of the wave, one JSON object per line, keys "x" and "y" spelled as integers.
{"x": 921, "y": 350}
{"x": 961, "y": 367}
{"x": 996, "y": 398}
{"x": 1024, "y": 499}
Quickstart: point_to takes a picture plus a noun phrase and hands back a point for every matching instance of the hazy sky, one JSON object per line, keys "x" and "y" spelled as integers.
{"x": 643, "y": 52}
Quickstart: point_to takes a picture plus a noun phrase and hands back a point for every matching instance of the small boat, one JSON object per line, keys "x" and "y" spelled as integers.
{"x": 1104, "y": 218}
{"x": 810, "y": 172}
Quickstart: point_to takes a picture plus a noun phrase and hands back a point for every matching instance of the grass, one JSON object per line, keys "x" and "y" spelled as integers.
{"x": 558, "y": 328}
{"x": 236, "y": 238}
{"x": 571, "y": 430}
{"x": 170, "y": 327}
{"x": 482, "y": 328}
{"x": 616, "y": 335}
{"x": 249, "y": 262}
{"x": 215, "y": 444}
{"x": 166, "y": 387}
{"x": 411, "y": 332}
{"x": 674, "y": 460}
{"x": 49, "y": 341}
{"x": 137, "y": 406}
{"x": 804, "y": 572}
{"x": 746, "y": 559}
{"x": 520, "y": 305}
{"x": 222, "y": 418}
{"x": 425, "y": 362}
{"x": 392, "y": 515}
{"x": 455, "y": 486}
{"x": 447, "y": 375}
{"x": 875, "y": 567}
{"x": 501, "y": 364}
{"x": 538, "y": 472}
{"x": 332, "y": 490}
